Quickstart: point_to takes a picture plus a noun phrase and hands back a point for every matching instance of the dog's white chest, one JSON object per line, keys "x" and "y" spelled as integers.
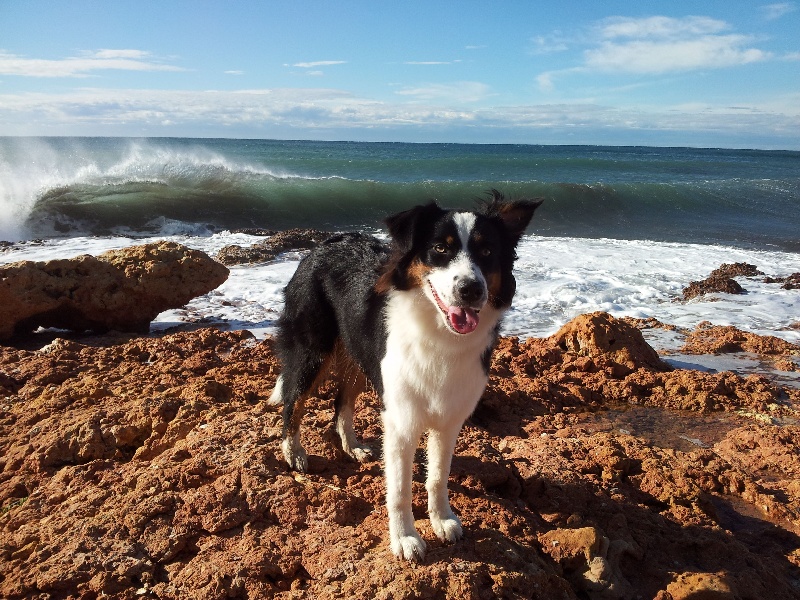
{"x": 430, "y": 373}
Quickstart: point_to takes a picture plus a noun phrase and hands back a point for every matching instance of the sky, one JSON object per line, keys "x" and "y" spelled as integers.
{"x": 679, "y": 73}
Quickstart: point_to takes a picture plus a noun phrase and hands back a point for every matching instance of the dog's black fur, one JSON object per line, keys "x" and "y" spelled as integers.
{"x": 353, "y": 295}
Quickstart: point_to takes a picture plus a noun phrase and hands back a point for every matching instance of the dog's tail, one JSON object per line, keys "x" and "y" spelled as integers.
{"x": 277, "y": 393}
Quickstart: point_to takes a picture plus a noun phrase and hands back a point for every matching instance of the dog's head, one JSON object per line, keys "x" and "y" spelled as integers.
{"x": 461, "y": 260}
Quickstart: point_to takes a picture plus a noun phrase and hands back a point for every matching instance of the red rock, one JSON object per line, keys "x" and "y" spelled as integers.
{"x": 710, "y": 339}
{"x": 600, "y": 334}
{"x": 702, "y": 586}
{"x": 120, "y": 289}
{"x": 150, "y": 465}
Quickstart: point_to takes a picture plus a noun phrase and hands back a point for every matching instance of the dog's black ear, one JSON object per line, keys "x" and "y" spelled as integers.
{"x": 407, "y": 230}
{"x": 410, "y": 225}
{"x": 515, "y": 214}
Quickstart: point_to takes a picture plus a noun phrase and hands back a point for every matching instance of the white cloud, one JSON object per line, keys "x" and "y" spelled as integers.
{"x": 459, "y": 91}
{"x": 81, "y": 66}
{"x": 549, "y": 44}
{"x": 127, "y": 53}
{"x": 656, "y": 45}
{"x": 234, "y": 72}
{"x": 772, "y": 12}
{"x": 305, "y": 110}
{"x": 148, "y": 107}
{"x": 432, "y": 62}
{"x": 655, "y": 57}
{"x": 319, "y": 63}
{"x": 545, "y": 81}
{"x": 659, "y": 27}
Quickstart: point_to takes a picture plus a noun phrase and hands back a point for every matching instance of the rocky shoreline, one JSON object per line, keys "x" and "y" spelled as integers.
{"x": 149, "y": 467}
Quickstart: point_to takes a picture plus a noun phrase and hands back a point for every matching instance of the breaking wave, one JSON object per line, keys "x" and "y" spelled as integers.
{"x": 104, "y": 186}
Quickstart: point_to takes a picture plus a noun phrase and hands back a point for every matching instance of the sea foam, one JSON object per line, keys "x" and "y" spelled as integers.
{"x": 557, "y": 279}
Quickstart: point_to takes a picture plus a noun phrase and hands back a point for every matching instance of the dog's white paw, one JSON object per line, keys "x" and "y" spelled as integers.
{"x": 299, "y": 461}
{"x": 295, "y": 455}
{"x": 362, "y": 453}
{"x": 447, "y": 529}
{"x": 410, "y": 547}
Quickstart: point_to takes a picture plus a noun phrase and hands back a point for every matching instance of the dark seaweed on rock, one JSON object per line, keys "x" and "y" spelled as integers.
{"x": 721, "y": 280}
{"x": 790, "y": 282}
{"x": 269, "y": 249}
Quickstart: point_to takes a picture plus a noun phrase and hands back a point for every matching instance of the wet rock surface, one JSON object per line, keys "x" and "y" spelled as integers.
{"x": 120, "y": 289}
{"x": 790, "y": 282}
{"x": 151, "y": 468}
{"x": 269, "y": 249}
{"x": 722, "y": 280}
{"x": 741, "y": 269}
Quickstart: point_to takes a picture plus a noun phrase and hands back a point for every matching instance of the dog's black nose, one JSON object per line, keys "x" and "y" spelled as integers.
{"x": 469, "y": 290}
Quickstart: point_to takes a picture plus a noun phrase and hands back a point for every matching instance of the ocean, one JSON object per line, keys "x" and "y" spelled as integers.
{"x": 622, "y": 229}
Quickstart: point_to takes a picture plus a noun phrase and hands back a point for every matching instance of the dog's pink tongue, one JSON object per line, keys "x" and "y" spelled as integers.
{"x": 463, "y": 320}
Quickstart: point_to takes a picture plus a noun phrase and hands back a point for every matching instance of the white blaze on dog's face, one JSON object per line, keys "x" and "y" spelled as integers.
{"x": 460, "y": 259}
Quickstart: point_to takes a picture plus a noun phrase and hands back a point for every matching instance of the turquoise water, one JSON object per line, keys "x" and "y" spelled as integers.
{"x": 104, "y": 186}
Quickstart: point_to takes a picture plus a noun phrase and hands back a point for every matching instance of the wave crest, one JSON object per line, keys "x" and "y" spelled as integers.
{"x": 98, "y": 186}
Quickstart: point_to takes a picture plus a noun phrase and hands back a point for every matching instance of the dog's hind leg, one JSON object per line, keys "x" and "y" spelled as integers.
{"x": 276, "y": 397}
{"x": 352, "y": 383}
{"x": 296, "y": 383}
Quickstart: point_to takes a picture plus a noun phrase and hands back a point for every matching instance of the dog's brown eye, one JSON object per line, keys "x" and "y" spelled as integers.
{"x": 440, "y": 248}
{"x": 486, "y": 251}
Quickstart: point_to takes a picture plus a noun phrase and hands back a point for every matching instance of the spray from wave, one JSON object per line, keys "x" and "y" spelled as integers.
{"x": 59, "y": 186}
{"x": 28, "y": 168}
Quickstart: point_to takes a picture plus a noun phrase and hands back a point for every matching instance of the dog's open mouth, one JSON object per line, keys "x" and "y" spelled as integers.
{"x": 461, "y": 319}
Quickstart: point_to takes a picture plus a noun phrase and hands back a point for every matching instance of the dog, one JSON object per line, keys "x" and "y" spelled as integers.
{"x": 417, "y": 318}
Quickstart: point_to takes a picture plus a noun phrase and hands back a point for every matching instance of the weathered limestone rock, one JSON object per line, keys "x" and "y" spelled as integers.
{"x": 120, "y": 289}
{"x": 600, "y": 334}
{"x": 715, "y": 339}
{"x": 591, "y": 561}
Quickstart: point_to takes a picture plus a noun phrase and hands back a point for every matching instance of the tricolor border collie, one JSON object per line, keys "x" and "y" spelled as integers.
{"x": 418, "y": 319}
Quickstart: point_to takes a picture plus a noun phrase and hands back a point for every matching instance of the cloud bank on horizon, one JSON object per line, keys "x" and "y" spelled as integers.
{"x": 649, "y": 79}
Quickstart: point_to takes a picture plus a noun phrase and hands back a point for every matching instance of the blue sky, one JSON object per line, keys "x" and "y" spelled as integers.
{"x": 699, "y": 73}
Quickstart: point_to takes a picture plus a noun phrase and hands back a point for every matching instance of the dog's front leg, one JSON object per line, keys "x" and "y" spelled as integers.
{"x": 399, "y": 446}
{"x": 441, "y": 443}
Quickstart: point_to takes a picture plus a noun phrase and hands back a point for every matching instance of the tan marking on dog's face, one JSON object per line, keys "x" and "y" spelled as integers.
{"x": 494, "y": 284}
{"x": 418, "y": 272}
